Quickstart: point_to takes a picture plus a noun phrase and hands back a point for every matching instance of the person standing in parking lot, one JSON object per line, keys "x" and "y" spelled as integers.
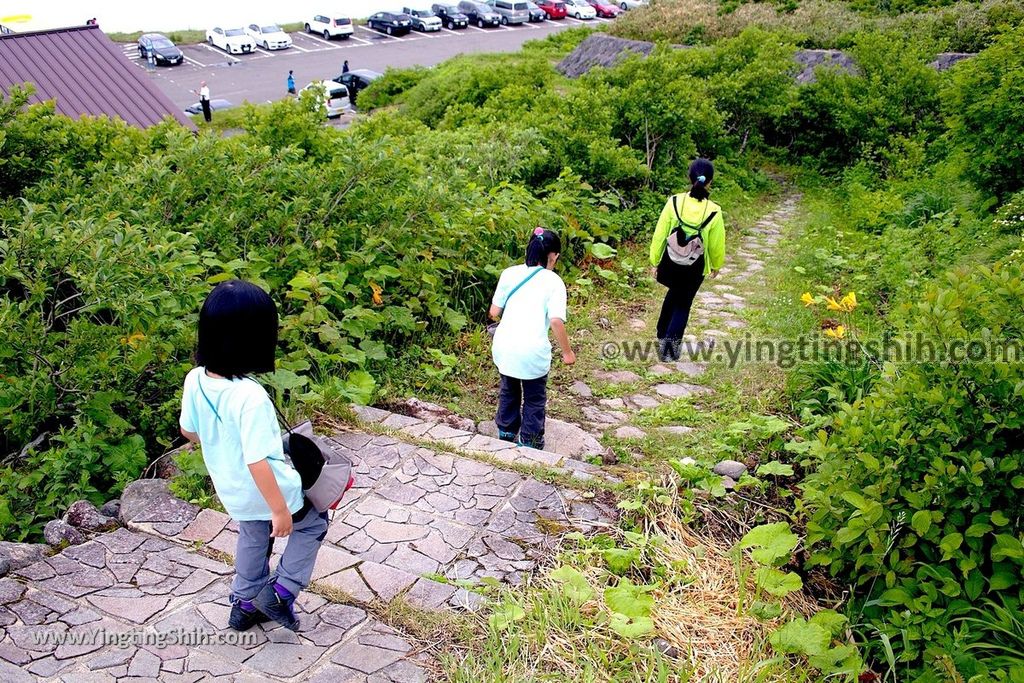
{"x": 204, "y": 100}
{"x": 344, "y": 67}
{"x": 291, "y": 83}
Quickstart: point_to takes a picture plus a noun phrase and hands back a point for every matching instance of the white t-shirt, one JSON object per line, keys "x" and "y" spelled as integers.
{"x": 245, "y": 432}
{"x": 521, "y": 347}
{"x": 204, "y": 93}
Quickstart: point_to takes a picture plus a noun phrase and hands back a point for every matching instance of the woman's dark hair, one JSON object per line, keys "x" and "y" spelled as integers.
{"x": 542, "y": 242}
{"x": 237, "y": 330}
{"x": 701, "y": 173}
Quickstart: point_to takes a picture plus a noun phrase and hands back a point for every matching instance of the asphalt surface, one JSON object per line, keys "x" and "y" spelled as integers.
{"x": 260, "y": 77}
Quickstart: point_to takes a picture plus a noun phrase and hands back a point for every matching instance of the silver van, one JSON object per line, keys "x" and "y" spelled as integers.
{"x": 511, "y": 11}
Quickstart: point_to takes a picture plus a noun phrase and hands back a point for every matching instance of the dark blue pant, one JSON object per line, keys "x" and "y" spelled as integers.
{"x": 675, "y": 310}
{"x": 521, "y": 405}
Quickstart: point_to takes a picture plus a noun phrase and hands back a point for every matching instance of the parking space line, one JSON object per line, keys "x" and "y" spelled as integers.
{"x": 296, "y": 47}
{"x": 448, "y": 30}
{"x": 269, "y": 53}
{"x": 573, "y": 20}
{"x": 220, "y": 52}
{"x": 477, "y": 28}
{"x": 197, "y": 63}
{"x": 329, "y": 44}
{"x": 361, "y": 40}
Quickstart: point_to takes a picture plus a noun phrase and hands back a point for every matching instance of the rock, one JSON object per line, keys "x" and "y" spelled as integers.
{"x": 688, "y": 461}
{"x": 680, "y": 390}
{"x": 84, "y": 515}
{"x": 23, "y": 554}
{"x": 637, "y": 324}
{"x": 660, "y": 369}
{"x": 666, "y": 648}
{"x": 111, "y": 508}
{"x": 59, "y": 533}
{"x": 5, "y": 564}
{"x": 617, "y": 376}
{"x": 628, "y": 432}
{"x": 643, "y": 402}
{"x": 676, "y": 429}
{"x": 581, "y": 389}
{"x": 432, "y": 412}
{"x": 563, "y": 438}
{"x": 730, "y": 468}
{"x": 728, "y": 483}
{"x": 604, "y": 323}
{"x": 613, "y": 403}
{"x": 138, "y": 495}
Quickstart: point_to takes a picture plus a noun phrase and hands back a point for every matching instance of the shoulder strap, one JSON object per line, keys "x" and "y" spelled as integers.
{"x": 199, "y": 383}
{"x": 280, "y": 416}
{"x": 682, "y": 223}
{"x": 525, "y": 280}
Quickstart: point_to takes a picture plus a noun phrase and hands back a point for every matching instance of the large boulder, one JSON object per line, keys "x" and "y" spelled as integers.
{"x": 150, "y": 502}
{"x": 23, "y": 554}
{"x": 60, "y": 534}
{"x": 83, "y": 515}
{"x": 112, "y": 508}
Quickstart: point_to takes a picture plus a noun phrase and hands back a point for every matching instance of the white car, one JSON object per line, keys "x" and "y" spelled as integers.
{"x": 423, "y": 19}
{"x": 269, "y": 36}
{"x": 631, "y": 4}
{"x": 338, "y": 27}
{"x": 232, "y": 40}
{"x": 334, "y": 96}
{"x": 580, "y": 9}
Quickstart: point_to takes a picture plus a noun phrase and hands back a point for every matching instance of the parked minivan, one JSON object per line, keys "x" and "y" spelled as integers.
{"x": 323, "y": 24}
{"x": 480, "y": 13}
{"x": 511, "y": 11}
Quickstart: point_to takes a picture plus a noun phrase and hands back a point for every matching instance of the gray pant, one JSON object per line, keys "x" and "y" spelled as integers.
{"x": 252, "y": 555}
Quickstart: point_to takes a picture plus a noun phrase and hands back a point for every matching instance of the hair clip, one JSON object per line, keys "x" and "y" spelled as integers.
{"x": 539, "y": 231}
{"x": 701, "y": 179}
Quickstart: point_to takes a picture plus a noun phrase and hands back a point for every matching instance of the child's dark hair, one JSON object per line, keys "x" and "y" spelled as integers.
{"x": 237, "y": 330}
{"x": 701, "y": 173}
{"x": 542, "y": 242}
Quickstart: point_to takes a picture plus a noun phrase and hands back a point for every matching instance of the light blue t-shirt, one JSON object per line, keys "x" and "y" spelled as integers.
{"x": 245, "y": 433}
{"x": 521, "y": 347}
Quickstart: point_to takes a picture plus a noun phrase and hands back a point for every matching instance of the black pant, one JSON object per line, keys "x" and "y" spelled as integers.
{"x": 675, "y": 310}
{"x": 521, "y": 405}
{"x": 206, "y": 110}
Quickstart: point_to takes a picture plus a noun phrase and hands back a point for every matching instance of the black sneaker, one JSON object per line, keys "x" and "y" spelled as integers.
{"x": 277, "y": 606}
{"x": 506, "y": 436}
{"x": 244, "y": 617}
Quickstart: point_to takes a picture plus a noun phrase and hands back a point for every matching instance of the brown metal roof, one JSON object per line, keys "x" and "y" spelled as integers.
{"x": 85, "y": 73}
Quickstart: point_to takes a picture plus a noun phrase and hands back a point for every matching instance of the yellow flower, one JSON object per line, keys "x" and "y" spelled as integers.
{"x": 849, "y": 302}
{"x": 808, "y": 299}
{"x": 133, "y": 339}
{"x": 837, "y": 332}
{"x": 833, "y": 305}
{"x": 377, "y": 300}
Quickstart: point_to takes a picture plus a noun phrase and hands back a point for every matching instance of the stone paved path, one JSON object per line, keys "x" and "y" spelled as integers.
{"x": 416, "y": 522}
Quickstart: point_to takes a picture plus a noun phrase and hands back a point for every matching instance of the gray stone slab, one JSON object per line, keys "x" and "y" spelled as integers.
{"x": 207, "y": 524}
{"x": 369, "y": 413}
{"x": 285, "y": 659}
{"x": 386, "y": 582}
{"x": 617, "y": 376}
{"x": 681, "y": 390}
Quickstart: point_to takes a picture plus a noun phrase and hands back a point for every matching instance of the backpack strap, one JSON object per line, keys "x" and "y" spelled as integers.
{"x": 516, "y": 288}
{"x": 199, "y": 383}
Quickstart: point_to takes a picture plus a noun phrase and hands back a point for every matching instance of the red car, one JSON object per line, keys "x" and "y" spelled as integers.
{"x": 604, "y": 9}
{"x": 553, "y": 8}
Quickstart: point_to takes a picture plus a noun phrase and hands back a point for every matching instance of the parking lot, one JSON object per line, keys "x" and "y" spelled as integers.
{"x": 260, "y": 76}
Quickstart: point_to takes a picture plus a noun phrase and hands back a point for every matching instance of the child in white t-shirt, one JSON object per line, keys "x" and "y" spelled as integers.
{"x": 233, "y": 419}
{"x": 529, "y": 300}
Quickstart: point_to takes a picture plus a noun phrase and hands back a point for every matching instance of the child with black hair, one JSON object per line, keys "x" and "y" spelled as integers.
{"x": 529, "y": 300}
{"x": 690, "y": 230}
{"x": 234, "y": 420}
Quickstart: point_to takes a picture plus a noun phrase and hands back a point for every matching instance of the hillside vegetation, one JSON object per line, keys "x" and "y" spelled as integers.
{"x": 381, "y": 245}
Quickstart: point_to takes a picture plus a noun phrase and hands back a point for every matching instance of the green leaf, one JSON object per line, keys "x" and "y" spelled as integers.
{"x": 775, "y": 582}
{"x": 921, "y": 522}
{"x": 630, "y": 599}
{"x": 1007, "y": 547}
{"x": 951, "y": 543}
{"x": 631, "y": 628}
{"x": 620, "y": 560}
{"x": 575, "y": 585}
{"x": 359, "y": 386}
{"x": 799, "y": 637}
{"x": 999, "y": 518}
{"x": 830, "y": 620}
{"x": 602, "y": 251}
{"x": 772, "y": 543}
{"x": 775, "y": 468}
{"x": 505, "y": 616}
{"x": 1002, "y": 579}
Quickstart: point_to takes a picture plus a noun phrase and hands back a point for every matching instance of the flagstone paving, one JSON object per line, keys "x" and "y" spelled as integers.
{"x": 414, "y": 516}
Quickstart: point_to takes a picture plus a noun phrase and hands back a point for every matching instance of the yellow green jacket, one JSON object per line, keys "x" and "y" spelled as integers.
{"x": 693, "y": 212}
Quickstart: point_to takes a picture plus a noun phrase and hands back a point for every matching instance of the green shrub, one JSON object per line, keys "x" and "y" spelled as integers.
{"x": 915, "y": 498}
{"x": 983, "y": 104}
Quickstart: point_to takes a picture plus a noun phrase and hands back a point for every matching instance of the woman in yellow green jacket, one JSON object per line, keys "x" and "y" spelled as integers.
{"x": 682, "y": 260}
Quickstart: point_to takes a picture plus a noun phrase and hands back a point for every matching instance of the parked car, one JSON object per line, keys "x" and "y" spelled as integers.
{"x": 480, "y": 13}
{"x": 536, "y": 13}
{"x": 580, "y": 9}
{"x": 450, "y": 16}
{"x": 270, "y": 36}
{"x": 162, "y": 49}
{"x": 334, "y": 95}
{"x": 605, "y": 8}
{"x": 511, "y": 11}
{"x": 231, "y": 40}
{"x": 391, "y": 23}
{"x": 356, "y": 80}
{"x": 631, "y": 4}
{"x": 423, "y": 19}
{"x": 555, "y": 9}
{"x": 340, "y": 27}
{"x": 215, "y": 105}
